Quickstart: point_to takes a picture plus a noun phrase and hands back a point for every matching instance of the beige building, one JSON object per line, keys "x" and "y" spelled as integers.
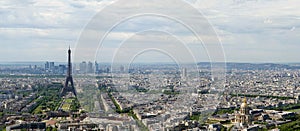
{"x": 243, "y": 117}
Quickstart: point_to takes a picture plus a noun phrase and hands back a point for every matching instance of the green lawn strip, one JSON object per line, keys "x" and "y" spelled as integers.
{"x": 295, "y": 110}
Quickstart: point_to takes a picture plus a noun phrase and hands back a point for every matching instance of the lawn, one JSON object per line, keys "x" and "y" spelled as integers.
{"x": 69, "y": 100}
{"x": 66, "y": 107}
{"x": 295, "y": 110}
{"x": 67, "y": 104}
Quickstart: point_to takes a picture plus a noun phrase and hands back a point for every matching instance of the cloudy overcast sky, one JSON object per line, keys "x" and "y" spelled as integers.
{"x": 249, "y": 30}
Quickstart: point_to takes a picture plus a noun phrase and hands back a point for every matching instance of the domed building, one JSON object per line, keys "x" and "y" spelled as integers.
{"x": 243, "y": 117}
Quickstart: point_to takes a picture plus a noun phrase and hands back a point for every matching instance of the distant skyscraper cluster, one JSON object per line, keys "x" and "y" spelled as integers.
{"x": 78, "y": 68}
{"x": 50, "y": 67}
{"x": 90, "y": 68}
{"x": 87, "y": 68}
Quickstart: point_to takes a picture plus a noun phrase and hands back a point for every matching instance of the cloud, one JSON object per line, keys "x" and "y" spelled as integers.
{"x": 246, "y": 28}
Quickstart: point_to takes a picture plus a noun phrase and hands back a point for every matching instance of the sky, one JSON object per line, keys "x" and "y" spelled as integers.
{"x": 248, "y": 30}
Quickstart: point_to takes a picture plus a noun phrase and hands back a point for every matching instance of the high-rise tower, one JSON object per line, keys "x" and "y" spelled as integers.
{"x": 69, "y": 85}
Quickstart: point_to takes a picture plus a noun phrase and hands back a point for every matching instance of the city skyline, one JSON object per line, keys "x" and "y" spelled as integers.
{"x": 150, "y": 65}
{"x": 257, "y": 32}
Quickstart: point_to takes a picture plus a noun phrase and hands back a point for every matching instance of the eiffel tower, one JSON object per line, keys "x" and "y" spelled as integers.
{"x": 69, "y": 79}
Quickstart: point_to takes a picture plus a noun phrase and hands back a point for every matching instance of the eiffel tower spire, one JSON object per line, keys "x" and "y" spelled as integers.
{"x": 69, "y": 79}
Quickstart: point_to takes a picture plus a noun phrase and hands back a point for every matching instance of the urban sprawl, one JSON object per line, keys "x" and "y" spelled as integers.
{"x": 149, "y": 97}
